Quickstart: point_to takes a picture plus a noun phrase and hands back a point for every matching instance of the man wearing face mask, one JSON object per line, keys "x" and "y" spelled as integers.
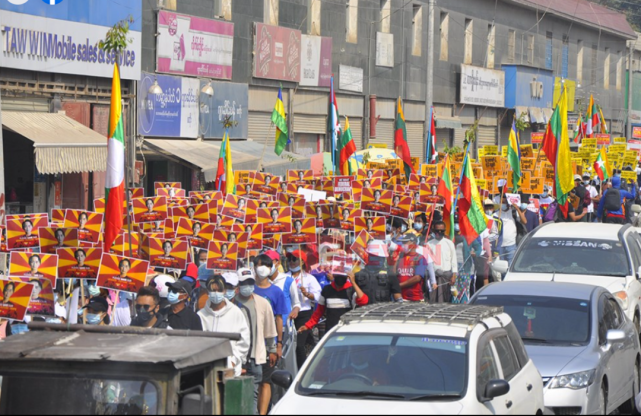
{"x": 220, "y": 315}
{"x": 420, "y": 227}
{"x": 509, "y": 232}
{"x": 445, "y": 264}
{"x": 375, "y": 278}
{"x": 412, "y": 270}
{"x": 97, "y": 311}
{"x": 284, "y": 282}
{"x": 180, "y": 316}
{"x": 148, "y": 310}
{"x": 262, "y": 327}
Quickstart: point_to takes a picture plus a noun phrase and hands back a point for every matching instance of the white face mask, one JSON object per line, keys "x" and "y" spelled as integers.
{"x": 263, "y": 272}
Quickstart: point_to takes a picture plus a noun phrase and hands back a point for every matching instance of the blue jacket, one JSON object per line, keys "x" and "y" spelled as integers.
{"x": 616, "y": 183}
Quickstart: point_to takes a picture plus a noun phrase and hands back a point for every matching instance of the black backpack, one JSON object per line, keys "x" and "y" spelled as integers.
{"x": 612, "y": 200}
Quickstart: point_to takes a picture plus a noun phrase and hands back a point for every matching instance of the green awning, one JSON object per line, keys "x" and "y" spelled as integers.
{"x": 448, "y": 123}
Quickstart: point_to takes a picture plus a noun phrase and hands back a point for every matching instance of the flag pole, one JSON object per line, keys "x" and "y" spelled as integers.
{"x": 458, "y": 190}
{"x": 430, "y": 133}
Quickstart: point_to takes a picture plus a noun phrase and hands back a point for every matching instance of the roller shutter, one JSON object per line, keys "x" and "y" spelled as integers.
{"x": 260, "y": 127}
{"x": 459, "y": 136}
{"x": 486, "y": 136}
{"x": 24, "y": 105}
{"x": 443, "y": 135}
{"x": 304, "y": 123}
{"x": 415, "y": 139}
{"x": 384, "y": 133}
{"x": 356, "y": 126}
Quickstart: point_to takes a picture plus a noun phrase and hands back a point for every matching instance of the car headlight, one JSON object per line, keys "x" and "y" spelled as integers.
{"x": 573, "y": 381}
{"x": 622, "y": 296}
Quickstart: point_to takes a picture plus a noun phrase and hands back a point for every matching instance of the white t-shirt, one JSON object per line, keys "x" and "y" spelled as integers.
{"x": 593, "y": 193}
{"x": 509, "y": 228}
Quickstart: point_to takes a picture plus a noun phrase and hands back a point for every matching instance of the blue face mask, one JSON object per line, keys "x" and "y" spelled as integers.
{"x": 418, "y": 226}
{"x": 457, "y": 228}
{"x": 523, "y": 207}
{"x": 19, "y": 329}
{"x": 246, "y": 291}
{"x": 230, "y": 294}
{"x": 93, "y": 319}
{"x": 216, "y": 298}
{"x": 403, "y": 229}
{"x": 295, "y": 269}
{"x": 173, "y": 298}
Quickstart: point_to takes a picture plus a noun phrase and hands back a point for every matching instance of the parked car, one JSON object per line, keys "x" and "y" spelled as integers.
{"x": 605, "y": 255}
{"x": 415, "y": 358}
{"x": 585, "y": 347}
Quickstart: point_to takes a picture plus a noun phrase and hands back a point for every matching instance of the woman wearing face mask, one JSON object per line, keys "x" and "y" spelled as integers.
{"x": 220, "y": 315}
{"x": 420, "y": 227}
{"x": 97, "y": 311}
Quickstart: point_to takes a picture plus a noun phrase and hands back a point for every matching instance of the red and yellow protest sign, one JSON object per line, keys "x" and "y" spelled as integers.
{"x": 40, "y": 266}
{"x": 57, "y": 216}
{"x": 198, "y": 212}
{"x": 348, "y": 215}
{"x": 89, "y": 224}
{"x": 429, "y": 194}
{"x": 222, "y": 256}
{"x": 300, "y": 176}
{"x": 197, "y": 233}
{"x": 41, "y": 302}
{"x": 295, "y": 202}
{"x": 171, "y": 193}
{"x": 22, "y": 231}
{"x": 375, "y": 226}
{"x": 360, "y": 244}
{"x": 253, "y": 205}
{"x": 235, "y": 207}
{"x": 255, "y": 235}
{"x": 241, "y": 238}
{"x": 177, "y": 185}
{"x": 150, "y": 209}
{"x": 15, "y": 299}
{"x": 369, "y": 174}
{"x": 376, "y": 200}
{"x": 266, "y": 183}
{"x": 81, "y": 263}
{"x": 401, "y": 206}
{"x": 359, "y": 185}
{"x": 271, "y": 241}
{"x": 203, "y": 197}
{"x": 304, "y": 232}
{"x": 415, "y": 181}
{"x": 51, "y": 239}
{"x": 126, "y": 274}
{"x": 121, "y": 244}
{"x": 167, "y": 253}
{"x": 275, "y": 220}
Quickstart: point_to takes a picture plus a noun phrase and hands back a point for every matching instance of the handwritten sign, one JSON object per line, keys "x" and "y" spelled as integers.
{"x": 491, "y": 164}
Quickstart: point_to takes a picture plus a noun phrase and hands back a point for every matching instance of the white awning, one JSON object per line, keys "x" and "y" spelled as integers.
{"x": 245, "y": 154}
{"x": 62, "y": 145}
{"x": 521, "y": 110}
{"x": 547, "y": 114}
{"x": 536, "y": 115}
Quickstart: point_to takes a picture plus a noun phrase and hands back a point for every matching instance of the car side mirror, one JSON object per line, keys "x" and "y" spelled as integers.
{"x": 614, "y": 336}
{"x": 500, "y": 266}
{"x": 282, "y": 379}
{"x": 496, "y": 388}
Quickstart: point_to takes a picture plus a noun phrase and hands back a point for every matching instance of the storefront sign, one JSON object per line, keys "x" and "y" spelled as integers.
{"x": 277, "y": 53}
{"x": 229, "y": 100}
{"x": 350, "y": 78}
{"x": 602, "y": 139}
{"x": 188, "y": 45}
{"x": 482, "y": 87}
{"x": 174, "y": 113}
{"x": 528, "y": 87}
{"x": 636, "y": 132}
{"x": 385, "y": 49}
{"x": 537, "y": 138}
{"x": 35, "y": 43}
{"x": 316, "y": 61}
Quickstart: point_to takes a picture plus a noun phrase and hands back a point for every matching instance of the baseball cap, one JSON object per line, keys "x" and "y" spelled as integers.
{"x": 98, "y": 304}
{"x": 245, "y": 275}
{"x": 231, "y": 278}
{"x": 273, "y": 255}
{"x": 488, "y": 202}
{"x": 586, "y": 175}
{"x": 181, "y": 286}
{"x": 377, "y": 248}
{"x": 299, "y": 254}
{"x": 577, "y": 177}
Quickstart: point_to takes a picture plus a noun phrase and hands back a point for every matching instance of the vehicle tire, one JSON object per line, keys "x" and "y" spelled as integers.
{"x": 630, "y": 407}
{"x": 603, "y": 401}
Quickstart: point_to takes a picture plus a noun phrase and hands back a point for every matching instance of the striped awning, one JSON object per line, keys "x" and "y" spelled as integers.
{"x": 62, "y": 145}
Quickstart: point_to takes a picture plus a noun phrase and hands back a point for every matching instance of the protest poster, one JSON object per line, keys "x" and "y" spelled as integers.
{"x": 177, "y": 202}
{"x": 57, "y": 216}
{"x": 22, "y": 230}
{"x": 528, "y": 163}
{"x": 629, "y": 175}
{"x": 415, "y": 181}
{"x": 171, "y": 193}
{"x": 348, "y": 214}
{"x": 271, "y": 241}
{"x": 253, "y": 205}
{"x": 376, "y": 200}
{"x": 295, "y": 202}
{"x": 360, "y": 244}
{"x": 37, "y": 265}
{"x": 89, "y": 224}
{"x": 535, "y": 186}
{"x": 204, "y": 197}
{"x": 234, "y": 207}
{"x": 255, "y": 235}
{"x": 431, "y": 171}
{"x": 603, "y": 139}
{"x": 222, "y": 255}
{"x": 491, "y": 164}
{"x": 167, "y": 253}
{"x": 150, "y": 209}
{"x": 375, "y": 226}
{"x": 15, "y": 299}
{"x": 126, "y": 274}
{"x": 304, "y": 232}
{"x": 369, "y": 174}
{"x": 401, "y": 206}
{"x": 167, "y": 185}
{"x": 537, "y": 138}
{"x": 513, "y": 199}
{"x": 266, "y": 183}
{"x": 429, "y": 193}
{"x": 275, "y": 220}
{"x": 618, "y": 140}
{"x": 51, "y": 239}
{"x": 241, "y": 238}
{"x": 301, "y": 176}
{"x": 121, "y": 244}
{"x": 197, "y": 233}
{"x": 81, "y": 263}
{"x": 527, "y": 151}
{"x": 41, "y": 302}
{"x": 342, "y": 185}
{"x": 197, "y": 212}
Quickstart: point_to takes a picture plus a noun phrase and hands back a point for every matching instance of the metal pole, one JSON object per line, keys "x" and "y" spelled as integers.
{"x": 429, "y": 86}
{"x": 2, "y": 193}
{"x": 630, "y": 78}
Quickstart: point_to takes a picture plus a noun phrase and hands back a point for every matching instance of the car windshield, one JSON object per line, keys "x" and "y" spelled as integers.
{"x": 545, "y": 320}
{"x": 78, "y": 396}
{"x": 393, "y": 367}
{"x": 572, "y": 256}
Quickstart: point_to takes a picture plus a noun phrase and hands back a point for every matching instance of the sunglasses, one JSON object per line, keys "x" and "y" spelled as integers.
{"x": 145, "y": 308}
{"x": 440, "y": 231}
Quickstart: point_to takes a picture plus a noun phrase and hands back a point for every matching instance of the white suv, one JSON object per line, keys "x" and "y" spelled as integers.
{"x": 605, "y": 255}
{"x": 414, "y": 358}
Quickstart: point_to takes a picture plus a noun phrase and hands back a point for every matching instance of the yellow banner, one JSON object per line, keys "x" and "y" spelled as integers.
{"x": 491, "y": 150}
{"x": 620, "y": 140}
{"x": 629, "y": 175}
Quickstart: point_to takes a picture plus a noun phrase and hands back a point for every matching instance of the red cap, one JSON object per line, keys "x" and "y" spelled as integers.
{"x": 192, "y": 271}
{"x": 273, "y": 255}
{"x": 300, "y": 254}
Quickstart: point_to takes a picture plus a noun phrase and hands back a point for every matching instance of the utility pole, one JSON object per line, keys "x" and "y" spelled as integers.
{"x": 628, "y": 134}
{"x": 3, "y": 196}
{"x": 429, "y": 86}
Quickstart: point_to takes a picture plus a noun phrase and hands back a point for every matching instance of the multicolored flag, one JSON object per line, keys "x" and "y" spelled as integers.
{"x": 346, "y": 149}
{"x": 432, "y": 152}
{"x": 445, "y": 191}
{"x": 580, "y": 130}
{"x": 225, "y": 173}
{"x": 514, "y": 157}
{"x": 563, "y": 167}
{"x": 472, "y": 218}
{"x": 602, "y": 165}
{"x": 334, "y": 126}
{"x": 604, "y": 124}
{"x": 115, "y": 178}
{"x": 593, "y": 119}
{"x": 550, "y": 143}
{"x": 400, "y": 141}
{"x": 280, "y": 121}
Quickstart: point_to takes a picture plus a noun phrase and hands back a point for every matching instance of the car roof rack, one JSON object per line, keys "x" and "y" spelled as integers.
{"x": 422, "y": 312}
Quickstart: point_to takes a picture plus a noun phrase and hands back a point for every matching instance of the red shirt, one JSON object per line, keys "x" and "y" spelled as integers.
{"x": 409, "y": 266}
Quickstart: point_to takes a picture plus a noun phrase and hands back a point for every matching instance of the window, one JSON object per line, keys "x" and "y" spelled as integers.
{"x": 417, "y": 30}
{"x": 511, "y": 45}
{"x": 565, "y": 57}
{"x": 579, "y": 62}
{"x": 530, "y": 49}
{"x": 517, "y": 344}
{"x": 271, "y": 12}
{"x": 593, "y": 63}
{"x": 469, "y": 41}
{"x": 386, "y": 6}
{"x": 488, "y": 369}
{"x": 314, "y": 17}
{"x": 619, "y": 70}
{"x": 635, "y": 252}
{"x": 222, "y": 9}
{"x": 491, "y": 41}
{"x": 507, "y": 357}
{"x": 606, "y": 70}
{"x": 445, "y": 34}
{"x": 352, "y": 21}
{"x": 549, "y": 50}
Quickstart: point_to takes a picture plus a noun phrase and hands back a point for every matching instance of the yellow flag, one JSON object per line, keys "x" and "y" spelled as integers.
{"x": 564, "y": 172}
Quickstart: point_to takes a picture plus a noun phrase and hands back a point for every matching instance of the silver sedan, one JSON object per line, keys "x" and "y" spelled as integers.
{"x": 579, "y": 338}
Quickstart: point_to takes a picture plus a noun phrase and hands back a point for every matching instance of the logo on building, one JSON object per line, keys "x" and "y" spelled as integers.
{"x": 18, "y": 2}
{"x": 52, "y": 2}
